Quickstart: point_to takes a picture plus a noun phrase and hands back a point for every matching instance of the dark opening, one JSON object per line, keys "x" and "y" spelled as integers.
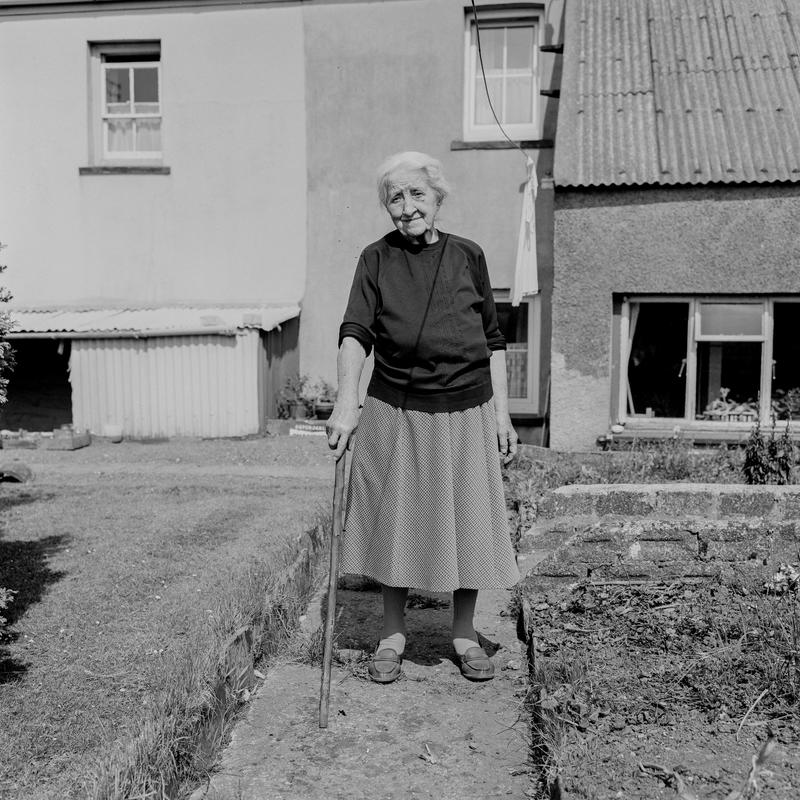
{"x": 786, "y": 362}
{"x": 657, "y": 364}
{"x": 39, "y": 392}
{"x": 729, "y": 372}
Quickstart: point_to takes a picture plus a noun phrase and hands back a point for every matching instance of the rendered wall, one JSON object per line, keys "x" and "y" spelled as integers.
{"x": 714, "y": 240}
{"x": 381, "y": 78}
{"x": 227, "y": 225}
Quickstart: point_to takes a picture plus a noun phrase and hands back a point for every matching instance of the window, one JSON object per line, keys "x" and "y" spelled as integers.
{"x": 711, "y": 359}
{"x": 126, "y": 103}
{"x": 510, "y": 48}
{"x": 519, "y": 325}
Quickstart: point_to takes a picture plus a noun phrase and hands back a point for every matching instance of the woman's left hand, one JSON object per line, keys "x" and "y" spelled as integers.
{"x": 507, "y": 438}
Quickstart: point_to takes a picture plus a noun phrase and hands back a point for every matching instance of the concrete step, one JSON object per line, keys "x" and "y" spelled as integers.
{"x": 710, "y": 501}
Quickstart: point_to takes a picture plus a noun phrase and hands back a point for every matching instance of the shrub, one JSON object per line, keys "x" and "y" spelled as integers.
{"x": 6, "y": 596}
{"x": 768, "y": 459}
{"x": 6, "y": 363}
{"x": 6, "y": 351}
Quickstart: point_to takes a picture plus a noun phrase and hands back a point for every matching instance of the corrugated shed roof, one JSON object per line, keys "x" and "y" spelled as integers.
{"x": 147, "y": 321}
{"x": 679, "y": 92}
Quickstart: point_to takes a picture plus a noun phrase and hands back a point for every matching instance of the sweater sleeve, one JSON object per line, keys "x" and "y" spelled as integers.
{"x": 494, "y": 337}
{"x": 359, "y": 316}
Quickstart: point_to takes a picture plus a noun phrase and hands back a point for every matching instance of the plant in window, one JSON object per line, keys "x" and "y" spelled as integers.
{"x": 786, "y": 404}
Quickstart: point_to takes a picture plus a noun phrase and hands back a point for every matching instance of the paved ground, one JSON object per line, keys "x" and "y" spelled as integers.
{"x": 431, "y": 734}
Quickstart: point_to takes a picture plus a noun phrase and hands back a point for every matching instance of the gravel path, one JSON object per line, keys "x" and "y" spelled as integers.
{"x": 431, "y": 734}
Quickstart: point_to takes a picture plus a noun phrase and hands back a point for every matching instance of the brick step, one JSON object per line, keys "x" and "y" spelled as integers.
{"x": 659, "y": 549}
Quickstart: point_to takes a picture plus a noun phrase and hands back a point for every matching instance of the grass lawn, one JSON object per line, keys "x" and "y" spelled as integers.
{"x": 121, "y": 556}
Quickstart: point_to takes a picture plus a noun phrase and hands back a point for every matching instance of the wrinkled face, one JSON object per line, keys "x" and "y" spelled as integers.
{"x": 411, "y": 203}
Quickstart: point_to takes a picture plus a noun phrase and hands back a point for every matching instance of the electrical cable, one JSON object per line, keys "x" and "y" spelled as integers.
{"x": 486, "y": 84}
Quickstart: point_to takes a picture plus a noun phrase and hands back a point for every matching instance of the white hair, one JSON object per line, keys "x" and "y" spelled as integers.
{"x": 412, "y": 160}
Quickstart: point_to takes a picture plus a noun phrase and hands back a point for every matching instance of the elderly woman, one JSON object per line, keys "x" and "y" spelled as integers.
{"x": 425, "y": 507}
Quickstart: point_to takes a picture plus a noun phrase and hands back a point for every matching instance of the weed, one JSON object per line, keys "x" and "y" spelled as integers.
{"x": 769, "y": 459}
{"x": 6, "y": 596}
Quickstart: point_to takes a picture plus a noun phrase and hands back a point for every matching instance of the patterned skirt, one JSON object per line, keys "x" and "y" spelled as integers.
{"x": 425, "y": 507}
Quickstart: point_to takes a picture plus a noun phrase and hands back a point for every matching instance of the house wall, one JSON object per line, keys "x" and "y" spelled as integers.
{"x": 385, "y": 77}
{"x": 227, "y": 225}
{"x": 688, "y": 240}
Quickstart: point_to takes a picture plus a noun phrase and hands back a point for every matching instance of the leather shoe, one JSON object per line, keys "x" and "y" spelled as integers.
{"x": 476, "y": 665}
{"x": 385, "y": 666}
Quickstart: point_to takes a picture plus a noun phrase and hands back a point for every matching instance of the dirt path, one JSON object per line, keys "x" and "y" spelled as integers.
{"x": 431, "y": 734}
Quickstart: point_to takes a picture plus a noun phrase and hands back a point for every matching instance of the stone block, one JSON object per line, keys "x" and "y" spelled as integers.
{"x": 68, "y": 440}
{"x": 789, "y": 504}
{"x": 747, "y": 504}
{"x": 626, "y": 503}
{"x": 656, "y": 570}
{"x": 701, "y": 503}
{"x": 787, "y": 541}
{"x": 565, "y": 504}
{"x": 542, "y": 536}
{"x": 683, "y": 549}
{"x": 739, "y": 552}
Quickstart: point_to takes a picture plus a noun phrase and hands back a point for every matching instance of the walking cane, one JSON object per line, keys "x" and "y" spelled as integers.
{"x": 333, "y": 572}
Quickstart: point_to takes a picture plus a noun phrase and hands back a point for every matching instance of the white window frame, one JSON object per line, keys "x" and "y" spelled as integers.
{"x": 99, "y": 153}
{"x": 693, "y": 337}
{"x": 530, "y": 403}
{"x": 473, "y": 80}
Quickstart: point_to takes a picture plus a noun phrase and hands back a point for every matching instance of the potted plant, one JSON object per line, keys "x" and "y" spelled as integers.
{"x": 294, "y": 401}
{"x": 324, "y": 400}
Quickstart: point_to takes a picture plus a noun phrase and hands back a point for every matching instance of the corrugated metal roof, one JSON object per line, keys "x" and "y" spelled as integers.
{"x": 679, "y": 92}
{"x": 147, "y": 321}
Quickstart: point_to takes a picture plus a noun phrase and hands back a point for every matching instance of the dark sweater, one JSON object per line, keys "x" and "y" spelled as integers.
{"x": 429, "y": 312}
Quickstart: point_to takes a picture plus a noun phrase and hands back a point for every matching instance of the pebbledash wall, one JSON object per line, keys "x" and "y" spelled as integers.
{"x": 729, "y": 240}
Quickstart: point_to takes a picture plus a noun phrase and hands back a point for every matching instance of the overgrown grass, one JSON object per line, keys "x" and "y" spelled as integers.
{"x": 173, "y": 748}
{"x": 130, "y": 572}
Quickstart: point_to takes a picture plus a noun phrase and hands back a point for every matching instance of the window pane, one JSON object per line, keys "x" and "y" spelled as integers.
{"x": 519, "y": 48}
{"x": 730, "y": 319}
{"x": 492, "y": 50}
{"x": 656, "y": 366}
{"x": 145, "y": 108}
{"x": 145, "y": 85}
{"x": 786, "y": 361}
{"x": 120, "y": 135}
{"x": 728, "y": 380}
{"x": 519, "y": 100}
{"x": 118, "y": 89}
{"x": 513, "y": 324}
{"x": 148, "y": 135}
{"x": 483, "y": 114}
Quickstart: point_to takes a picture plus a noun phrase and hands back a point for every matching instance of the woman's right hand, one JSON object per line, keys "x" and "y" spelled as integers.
{"x": 340, "y": 427}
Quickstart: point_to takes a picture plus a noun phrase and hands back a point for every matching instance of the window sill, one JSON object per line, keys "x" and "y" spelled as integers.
{"x": 132, "y": 170}
{"x": 698, "y": 431}
{"x": 525, "y": 144}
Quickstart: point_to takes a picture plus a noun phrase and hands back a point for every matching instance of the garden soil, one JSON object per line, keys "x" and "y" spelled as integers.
{"x": 431, "y": 734}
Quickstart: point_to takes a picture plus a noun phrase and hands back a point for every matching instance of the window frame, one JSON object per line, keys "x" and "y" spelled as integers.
{"x": 693, "y": 338}
{"x": 531, "y": 403}
{"x": 99, "y": 155}
{"x": 488, "y": 18}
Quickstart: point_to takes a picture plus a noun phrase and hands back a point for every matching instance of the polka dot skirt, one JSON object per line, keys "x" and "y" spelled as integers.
{"x": 425, "y": 507}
